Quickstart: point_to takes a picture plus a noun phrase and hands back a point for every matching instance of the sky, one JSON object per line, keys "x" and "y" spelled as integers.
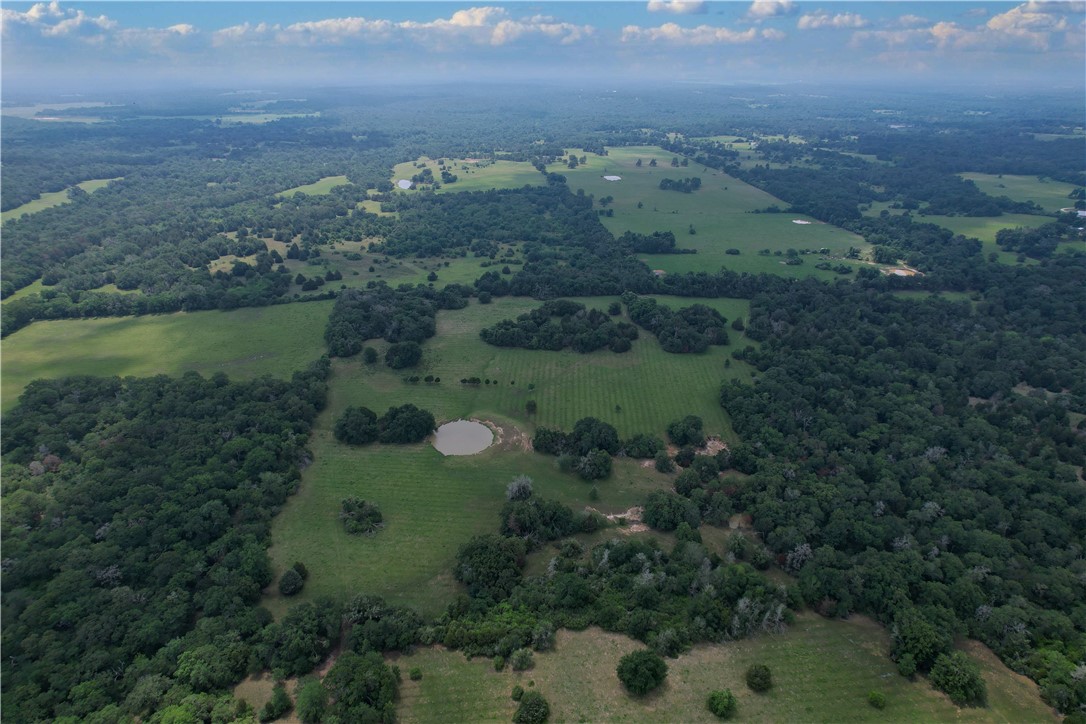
{"x": 70, "y": 46}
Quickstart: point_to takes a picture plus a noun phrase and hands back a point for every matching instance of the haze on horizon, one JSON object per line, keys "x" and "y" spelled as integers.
{"x": 61, "y": 47}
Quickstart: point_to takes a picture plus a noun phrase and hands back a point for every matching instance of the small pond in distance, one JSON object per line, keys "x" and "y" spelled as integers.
{"x": 462, "y": 437}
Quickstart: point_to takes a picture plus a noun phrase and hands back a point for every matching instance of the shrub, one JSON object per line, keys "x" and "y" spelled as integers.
{"x": 596, "y": 465}
{"x": 663, "y": 462}
{"x": 518, "y": 692}
{"x": 533, "y": 709}
{"x": 522, "y": 660}
{"x": 519, "y": 489}
{"x": 360, "y": 517}
{"x": 277, "y": 706}
{"x": 415, "y": 674}
{"x": 906, "y": 665}
{"x": 290, "y": 582}
{"x": 499, "y": 663}
{"x": 876, "y": 699}
{"x": 959, "y": 677}
{"x": 301, "y": 569}
{"x": 369, "y": 355}
{"x": 722, "y": 703}
{"x": 641, "y": 671}
{"x": 759, "y": 678}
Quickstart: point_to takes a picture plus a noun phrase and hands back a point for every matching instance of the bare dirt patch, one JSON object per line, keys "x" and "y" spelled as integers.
{"x": 631, "y": 516}
{"x": 508, "y": 437}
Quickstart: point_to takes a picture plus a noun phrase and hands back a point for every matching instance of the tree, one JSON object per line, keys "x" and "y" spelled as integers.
{"x": 533, "y": 709}
{"x": 361, "y": 687}
{"x": 357, "y": 426}
{"x": 405, "y": 424}
{"x": 312, "y": 701}
{"x": 665, "y": 511}
{"x": 369, "y": 355}
{"x": 278, "y": 705}
{"x": 291, "y": 582}
{"x": 722, "y": 703}
{"x": 489, "y": 565}
{"x": 596, "y": 465}
{"x": 360, "y": 517}
{"x": 759, "y": 678}
{"x": 959, "y": 677}
{"x": 687, "y": 431}
{"x": 519, "y": 489}
{"x": 521, "y": 660}
{"x": 403, "y": 354}
{"x": 641, "y": 671}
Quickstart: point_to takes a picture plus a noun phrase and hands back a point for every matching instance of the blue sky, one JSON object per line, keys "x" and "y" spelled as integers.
{"x": 66, "y": 46}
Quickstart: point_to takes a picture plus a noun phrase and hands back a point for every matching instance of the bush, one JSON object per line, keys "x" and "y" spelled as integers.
{"x": 522, "y": 660}
{"x": 533, "y": 709}
{"x": 291, "y": 582}
{"x": 415, "y": 674}
{"x": 722, "y": 703}
{"x": 596, "y": 465}
{"x": 369, "y": 355}
{"x": 958, "y": 677}
{"x": 759, "y": 678}
{"x": 360, "y": 517}
{"x": 663, "y": 462}
{"x": 301, "y": 569}
{"x": 518, "y": 692}
{"x": 641, "y": 671}
{"x": 906, "y": 665}
{"x": 876, "y": 699}
{"x": 499, "y": 663}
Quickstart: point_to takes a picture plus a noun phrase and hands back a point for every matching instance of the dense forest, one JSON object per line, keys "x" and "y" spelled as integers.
{"x": 909, "y": 447}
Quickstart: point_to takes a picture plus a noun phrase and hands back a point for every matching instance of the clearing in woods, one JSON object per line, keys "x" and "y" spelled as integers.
{"x": 1047, "y": 193}
{"x": 318, "y": 187}
{"x": 54, "y": 198}
{"x": 472, "y": 174}
{"x": 721, "y": 212}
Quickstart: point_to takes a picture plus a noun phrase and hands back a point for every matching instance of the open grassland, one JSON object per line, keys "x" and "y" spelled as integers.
{"x": 822, "y": 672}
{"x": 720, "y": 212}
{"x": 1050, "y": 195}
{"x": 243, "y": 343}
{"x": 318, "y": 187}
{"x": 433, "y": 504}
{"x": 472, "y": 174}
{"x": 55, "y": 198}
{"x": 985, "y": 228}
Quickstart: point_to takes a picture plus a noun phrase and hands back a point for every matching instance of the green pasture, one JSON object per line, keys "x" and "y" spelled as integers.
{"x": 720, "y": 211}
{"x": 433, "y": 503}
{"x": 318, "y": 187}
{"x": 1050, "y": 195}
{"x": 822, "y": 672}
{"x": 243, "y": 343}
{"x": 472, "y": 174}
{"x": 54, "y": 198}
{"x": 985, "y": 228}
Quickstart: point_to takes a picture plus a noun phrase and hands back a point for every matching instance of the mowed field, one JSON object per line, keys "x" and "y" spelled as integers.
{"x": 1047, "y": 193}
{"x": 472, "y": 174}
{"x": 822, "y": 672}
{"x": 433, "y": 504}
{"x": 720, "y": 212}
{"x": 318, "y": 187}
{"x": 243, "y": 343}
{"x": 55, "y": 198}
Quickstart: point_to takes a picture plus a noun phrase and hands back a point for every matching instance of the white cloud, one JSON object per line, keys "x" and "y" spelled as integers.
{"x": 701, "y": 35}
{"x": 912, "y": 21}
{"x": 51, "y": 21}
{"x": 679, "y": 7}
{"x": 761, "y": 9}
{"x": 820, "y": 20}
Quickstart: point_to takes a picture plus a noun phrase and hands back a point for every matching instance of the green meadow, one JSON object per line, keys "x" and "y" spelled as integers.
{"x": 1050, "y": 195}
{"x": 822, "y": 672}
{"x": 54, "y": 198}
{"x": 318, "y": 187}
{"x": 985, "y": 228}
{"x": 243, "y": 343}
{"x": 721, "y": 212}
{"x": 432, "y": 503}
{"x": 473, "y": 174}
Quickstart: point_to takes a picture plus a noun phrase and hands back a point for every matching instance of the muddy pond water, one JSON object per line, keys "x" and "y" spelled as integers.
{"x": 462, "y": 437}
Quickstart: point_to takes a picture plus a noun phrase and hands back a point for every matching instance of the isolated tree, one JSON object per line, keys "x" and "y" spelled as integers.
{"x": 519, "y": 489}
{"x": 403, "y": 354}
{"x": 641, "y": 671}
{"x": 369, "y": 355}
{"x": 533, "y": 709}
{"x": 291, "y": 582}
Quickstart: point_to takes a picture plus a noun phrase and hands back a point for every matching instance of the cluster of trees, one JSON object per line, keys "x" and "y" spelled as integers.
{"x": 683, "y": 185}
{"x": 895, "y": 446}
{"x": 560, "y": 324}
{"x": 404, "y": 314}
{"x": 360, "y": 517}
{"x": 400, "y": 425}
{"x": 689, "y": 330}
{"x": 658, "y": 242}
{"x": 538, "y": 521}
{"x": 1039, "y": 243}
{"x": 133, "y": 510}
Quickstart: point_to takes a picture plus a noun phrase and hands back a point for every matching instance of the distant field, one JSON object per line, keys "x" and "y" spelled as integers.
{"x": 473, "y": 175}
{"x": 243, "y": 343}
{"x": 55, "y": 198}
{"x": 433, "y": 503}
{"x": 822, "y": 672}
{"x": 985, "y": 228}
{"x": 719, "y": 212}
{"x": 1048, "y": 194}
{"x": 317, "y": 188}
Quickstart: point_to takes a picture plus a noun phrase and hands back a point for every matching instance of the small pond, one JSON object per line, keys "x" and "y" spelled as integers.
{"x": 462, "y": 437}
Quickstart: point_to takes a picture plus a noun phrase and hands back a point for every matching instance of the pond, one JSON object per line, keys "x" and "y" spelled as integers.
{"x": 462, "y": 437}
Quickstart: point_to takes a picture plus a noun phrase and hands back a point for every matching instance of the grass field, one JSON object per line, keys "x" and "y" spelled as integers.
{"x": 719, "y": 211}
{"x": 55, "y": 198}
{"x": 822, "y": 672}
{"x": 242, "y": 343}
{"x": 473, "y": 175}
{"x": 985, "y": 228}
{"x": 434, "y": 503}
{"x": 1050, "y": 195}
{"x": 317, "y": 188}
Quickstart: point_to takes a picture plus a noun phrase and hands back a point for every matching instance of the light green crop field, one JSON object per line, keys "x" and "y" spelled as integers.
{"x": 1050, "y": 195}
{"x": 318, "y": 187}
{"x": 719, "y": 211}
{"x": 243, "y": 343}
{"x": 473, "y": 174}
{"x": 55, "y": 198}
{"x": 822, "y": 672}
{"x": 432, "y": 503}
